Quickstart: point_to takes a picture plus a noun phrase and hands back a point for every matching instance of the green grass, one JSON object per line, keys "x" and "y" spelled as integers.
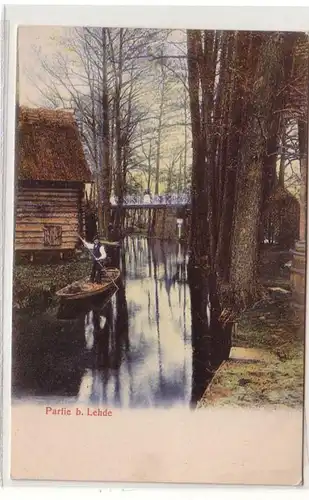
{"x": 34, "y": 285}
{"x": 272, "y": 327}
{"x": 258, "y": 384}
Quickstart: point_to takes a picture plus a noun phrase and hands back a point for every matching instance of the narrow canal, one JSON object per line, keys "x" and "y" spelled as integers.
{"x": 149, "y": 344}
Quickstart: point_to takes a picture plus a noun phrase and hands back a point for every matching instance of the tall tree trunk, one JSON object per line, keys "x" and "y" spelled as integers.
{"x": 303, "y": 160}
{"x": 282, "y": 160}
{"x": 228, "y": 81}
{"x": 238, "y": 48}
{"x": 159, "y": 129}
{"x": 126, "y": 150}
{"x": 179, "y": 175}
{"x": 258, "y": 123}
{"x": 118, "y": 136}
{"x": 214, "y": 197}
{"x": 185, "y": 151}
{"x": 199, "y": 238}
{"x": 246, "y": 229}
{"x": 106, "y": 188}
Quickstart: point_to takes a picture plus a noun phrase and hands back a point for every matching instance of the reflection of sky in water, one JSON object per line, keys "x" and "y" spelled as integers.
{"x": 89, "y": 329}
{"x": 156, "y": 370}
{"x": 131, "y": 350}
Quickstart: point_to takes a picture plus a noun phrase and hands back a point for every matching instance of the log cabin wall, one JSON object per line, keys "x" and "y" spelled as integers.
{"x": 52, "y": 173}
{"x": 48, "y": 217}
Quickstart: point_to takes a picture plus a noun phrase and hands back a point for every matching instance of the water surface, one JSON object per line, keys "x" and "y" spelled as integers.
{"x": 144, "y": 346}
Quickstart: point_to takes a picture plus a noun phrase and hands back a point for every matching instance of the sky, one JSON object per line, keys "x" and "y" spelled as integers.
{"x": 43, "y": 38}
{"x": 29, "y": 38}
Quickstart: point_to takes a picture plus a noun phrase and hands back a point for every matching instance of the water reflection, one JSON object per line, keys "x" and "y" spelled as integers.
{"x": 47, "y": 355}
{"x": 211, "y": 341}
{"x": 140, "y": 346}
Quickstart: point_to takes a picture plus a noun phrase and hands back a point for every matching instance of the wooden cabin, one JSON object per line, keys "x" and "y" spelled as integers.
{"x": 51, "y": 177}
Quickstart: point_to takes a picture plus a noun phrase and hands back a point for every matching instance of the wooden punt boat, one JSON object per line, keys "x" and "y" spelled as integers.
{"x": 84, "y": 288}
{"x": 71, "y": 309}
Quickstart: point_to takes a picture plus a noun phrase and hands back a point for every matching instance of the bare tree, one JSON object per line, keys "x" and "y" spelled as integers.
{"x": 99, "y": 73}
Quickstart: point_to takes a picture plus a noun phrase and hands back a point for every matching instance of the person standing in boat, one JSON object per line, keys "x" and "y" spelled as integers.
{"x": 98, "y": 256}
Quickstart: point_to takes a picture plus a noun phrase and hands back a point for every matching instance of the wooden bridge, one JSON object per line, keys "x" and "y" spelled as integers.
{"x": 159, "y": 215}
{"x": 173, "y": 200}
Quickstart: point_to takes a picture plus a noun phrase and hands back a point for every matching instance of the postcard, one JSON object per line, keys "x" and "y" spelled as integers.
{"x": 158, "y": 323}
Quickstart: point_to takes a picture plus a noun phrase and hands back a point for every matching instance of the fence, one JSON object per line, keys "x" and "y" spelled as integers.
{"x": 156, "y": 199}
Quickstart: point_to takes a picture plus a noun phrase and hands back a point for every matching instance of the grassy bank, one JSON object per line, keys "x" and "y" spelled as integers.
{"x": 34, "y": 285}
{"x": 276, "y": 378}
{"x": 273, "y": 329}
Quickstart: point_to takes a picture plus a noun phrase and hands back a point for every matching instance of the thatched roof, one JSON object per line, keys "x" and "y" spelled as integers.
{"x": 49, "y": 146}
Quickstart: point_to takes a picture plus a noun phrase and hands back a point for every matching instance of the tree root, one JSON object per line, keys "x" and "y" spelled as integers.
{"x": 234, "y": 301}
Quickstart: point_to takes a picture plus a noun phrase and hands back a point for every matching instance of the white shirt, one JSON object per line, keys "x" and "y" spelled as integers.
{"x": 102, "y": 249}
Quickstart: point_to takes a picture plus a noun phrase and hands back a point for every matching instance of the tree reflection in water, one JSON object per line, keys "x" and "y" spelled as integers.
{"x": 211, "y": 341}
{"x": 153, "y": 368}
{"x": 47, "y": 356}
{"x": 108, "y": 323}
{"x": 143, "y": 346}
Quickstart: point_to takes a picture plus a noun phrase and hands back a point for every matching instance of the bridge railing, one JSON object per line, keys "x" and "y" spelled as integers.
{"x": 155, "y": 199}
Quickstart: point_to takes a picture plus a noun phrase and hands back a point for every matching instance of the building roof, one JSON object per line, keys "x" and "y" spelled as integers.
{"x": 49, "y": 146}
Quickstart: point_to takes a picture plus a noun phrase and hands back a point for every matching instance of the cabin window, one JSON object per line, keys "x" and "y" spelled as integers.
{"x": 52, "y": 236}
